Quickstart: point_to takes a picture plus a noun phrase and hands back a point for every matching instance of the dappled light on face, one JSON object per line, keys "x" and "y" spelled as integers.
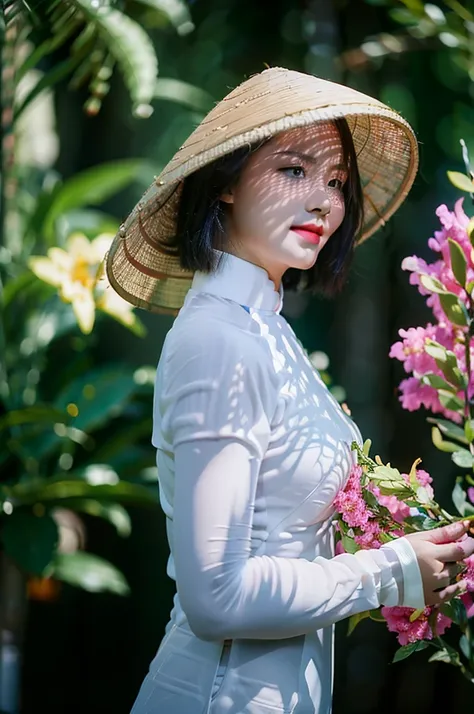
{"x": 292, "y": 180}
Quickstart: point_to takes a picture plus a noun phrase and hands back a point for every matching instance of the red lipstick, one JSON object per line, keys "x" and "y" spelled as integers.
{"x": 309, "y": 232}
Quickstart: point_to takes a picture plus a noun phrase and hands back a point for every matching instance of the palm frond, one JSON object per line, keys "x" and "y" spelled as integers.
{"x": 176, "y": 11}
{"x": 99, "y": 37}
{"x": 130, "y": 46}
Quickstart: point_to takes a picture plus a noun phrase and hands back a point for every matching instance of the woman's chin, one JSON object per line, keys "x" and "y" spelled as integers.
{"x": 306, "y": 258}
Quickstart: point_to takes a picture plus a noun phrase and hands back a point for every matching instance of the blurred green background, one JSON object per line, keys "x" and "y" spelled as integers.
{"x": 88, "y": 652}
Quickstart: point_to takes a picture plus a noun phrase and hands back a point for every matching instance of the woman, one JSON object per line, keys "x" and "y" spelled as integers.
{"x": 272, "y": 191}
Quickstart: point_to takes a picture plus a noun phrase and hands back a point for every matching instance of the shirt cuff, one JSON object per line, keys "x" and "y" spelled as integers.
{"x": 411, "y": 590}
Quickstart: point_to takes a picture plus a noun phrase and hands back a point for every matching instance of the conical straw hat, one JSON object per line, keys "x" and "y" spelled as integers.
{"x": 275, "y": 100}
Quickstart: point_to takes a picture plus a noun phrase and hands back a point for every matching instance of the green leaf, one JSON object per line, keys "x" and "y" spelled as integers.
{"x": 370, "y": 498}
{"x": 349, "y": 544}
{"x": 447, "y": 655}
{"x": 455, "y": 610}
{"x": 469, "y": 429}
{"x": 423, "y": 496}
{"x": 389, "y": 474}
{"x": 434, "y": 380}
{"x": 176, "y": 11}
{"x": 454, "y": 309}
{"x": 58, "y": 492}
{"x": 133, "y": 50}
{"x": 461, "y": 181}
{"x": 89, "y": 188}
{"x": 30, "y": 540}
{"x": 446, "y": 361}
{"x": 458, "y": 262}
{"x": 175, "y": 90}
{"x": 114, "y": 513}
{"x": 449, "y": 429}
{"x": 465, "y": 647}
{"x": 447, "y": 446}
{"x": 377, "y": 616}
{"x": 463, "y": 458}
{"x": 90, "y": 221}
{"x": 470, "y": 233}
{"x": 89, "y": 572}
{"x": 408, "y": 650}
{"x": 55, "y": 320}
{"x": 403, "y": 16}
{"x": 98, "y": 395}
{"x": 55, "y": 75}
{"x": 435, "y": 350}
{"x": 33, "y": 415}
{"x": 45, "y": 48}
{"x": 354, "y": 621}
{"x": 451, "y": 402}
{"x": 460, "y": 501}
{"x": 388, "y": 488}
{"x": 432, "y": 284}
{"x": 18, "y": 286}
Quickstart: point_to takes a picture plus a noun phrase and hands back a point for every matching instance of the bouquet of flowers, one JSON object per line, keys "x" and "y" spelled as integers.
{"x": 378, "y": 502}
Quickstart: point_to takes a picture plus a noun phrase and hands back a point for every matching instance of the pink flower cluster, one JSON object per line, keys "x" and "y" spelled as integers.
{"x": 410, "y": 350}
{"x": 398, "y": 620}
{"x": 350, "y": 503}
{"x": 356, "y": 514}
{"x": 468, "y": 577}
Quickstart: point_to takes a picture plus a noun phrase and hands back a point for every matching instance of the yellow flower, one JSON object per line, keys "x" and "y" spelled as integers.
{"x": 78, "y": 273}
{"x": 74, "y": 272}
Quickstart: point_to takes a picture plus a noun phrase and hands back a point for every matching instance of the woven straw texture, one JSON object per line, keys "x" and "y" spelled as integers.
{"x": 275, "y": 100}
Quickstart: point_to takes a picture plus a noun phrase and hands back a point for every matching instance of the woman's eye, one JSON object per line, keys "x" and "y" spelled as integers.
{"x": 294, "y": 171}
{"x": 336, "y": 183}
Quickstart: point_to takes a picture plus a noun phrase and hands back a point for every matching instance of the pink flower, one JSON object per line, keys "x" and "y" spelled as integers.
{"x": 398, "y": 620}
{"x": 468, "y": 598}
{"x": 453, "y": 226}
{"x": 369, "y": 539}
{"x": 468, "y": 576}
{"x": 423, "y": 477}
{"x": 397, "y": 508}
{"x": 349, "y": 501}
{"x": 412, "y": 350}
{"x": 415, "y": 395}
{"x": 470, "y": 494}
{"x": 468, "y": 602}
{"x": 352, "y": 508}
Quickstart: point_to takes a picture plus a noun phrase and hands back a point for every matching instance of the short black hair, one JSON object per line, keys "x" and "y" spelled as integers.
{"x": 200, "y": 229}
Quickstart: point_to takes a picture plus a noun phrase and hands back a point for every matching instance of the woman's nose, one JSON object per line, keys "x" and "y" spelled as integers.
{"x": 320, "y": 205}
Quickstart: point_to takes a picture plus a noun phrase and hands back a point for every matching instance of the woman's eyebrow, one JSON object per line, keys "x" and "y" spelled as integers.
{"x": 309, "y": 158}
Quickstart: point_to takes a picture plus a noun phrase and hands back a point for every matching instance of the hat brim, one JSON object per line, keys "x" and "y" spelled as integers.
{"x": 139, "y": 265}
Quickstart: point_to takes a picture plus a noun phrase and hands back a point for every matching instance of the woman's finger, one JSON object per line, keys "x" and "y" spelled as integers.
{"x": 451, "y": 552}
{"x": 451, "y": 574}
{"x": 452, "y": 590}
{"x": 450, "y": 533}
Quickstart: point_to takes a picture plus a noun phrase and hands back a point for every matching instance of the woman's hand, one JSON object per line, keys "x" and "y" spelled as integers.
{"x": 439, "y": 552}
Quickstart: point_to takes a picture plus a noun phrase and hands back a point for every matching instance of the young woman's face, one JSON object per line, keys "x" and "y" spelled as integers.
{"x": 288, "y": 200}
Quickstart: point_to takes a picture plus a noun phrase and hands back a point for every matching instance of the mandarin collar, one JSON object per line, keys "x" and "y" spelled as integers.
{"x": 240, "y": 281}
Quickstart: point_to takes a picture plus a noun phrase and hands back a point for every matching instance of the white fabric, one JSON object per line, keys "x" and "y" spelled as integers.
{"x": 251, "y": 450}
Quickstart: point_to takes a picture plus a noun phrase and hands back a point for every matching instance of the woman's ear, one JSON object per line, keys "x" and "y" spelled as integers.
{"x": 227, "y": 196}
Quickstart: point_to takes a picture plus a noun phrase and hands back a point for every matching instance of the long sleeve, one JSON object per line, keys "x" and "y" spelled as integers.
{"x": 217, "y": 409}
